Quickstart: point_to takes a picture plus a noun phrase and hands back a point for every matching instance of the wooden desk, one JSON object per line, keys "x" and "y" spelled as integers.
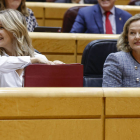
{"x": 56, "y": 46}
{"x": 55, "y": 18}
{"x": 122, "y": 2}
{"x": 51, "y": 14}
{"x": 122, "y": 113}
{"x": 69, "y": 113}
{"x": 51, "y": 113}
{"x": 131, "y": 9}
{"x": 67, "y": 47}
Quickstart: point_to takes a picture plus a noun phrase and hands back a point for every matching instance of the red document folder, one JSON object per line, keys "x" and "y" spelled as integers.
{"x": 64, "y": 75}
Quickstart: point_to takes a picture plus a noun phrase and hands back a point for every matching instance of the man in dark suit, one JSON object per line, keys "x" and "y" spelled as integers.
{"x": 94, "y": 19}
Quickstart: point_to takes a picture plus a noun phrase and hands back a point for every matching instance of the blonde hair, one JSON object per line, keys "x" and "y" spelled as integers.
{"x": 14, "y": 22}
{"x": 22, "y": 8}
{"x": 122, "y": 43}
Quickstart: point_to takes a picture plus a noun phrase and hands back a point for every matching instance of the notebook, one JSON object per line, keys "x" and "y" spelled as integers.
{"x": 47, "y": 29}
{"x": 64, "y": 75}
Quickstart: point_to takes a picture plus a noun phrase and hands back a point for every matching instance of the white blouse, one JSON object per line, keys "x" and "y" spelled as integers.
{"x": 8, "y": 66}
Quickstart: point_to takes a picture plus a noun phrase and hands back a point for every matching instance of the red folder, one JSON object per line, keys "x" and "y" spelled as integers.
{"x": 64, "y": 75}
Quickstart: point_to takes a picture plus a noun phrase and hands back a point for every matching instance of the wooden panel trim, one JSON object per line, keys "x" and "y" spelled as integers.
{"x": 49, "y": 117}
{"x": 121, "y": 92}
{"x": 51, "y": 92}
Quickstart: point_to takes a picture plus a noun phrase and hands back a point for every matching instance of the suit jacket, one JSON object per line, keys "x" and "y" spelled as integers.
{"x": 121, "y": 70}
{"x": 89, "y": 20}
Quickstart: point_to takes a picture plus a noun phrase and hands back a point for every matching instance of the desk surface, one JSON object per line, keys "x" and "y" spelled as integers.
{"x": 68, "y": 5}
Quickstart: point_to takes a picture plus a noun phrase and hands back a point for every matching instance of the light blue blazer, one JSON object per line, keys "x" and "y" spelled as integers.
{"x": 121, "y": 70}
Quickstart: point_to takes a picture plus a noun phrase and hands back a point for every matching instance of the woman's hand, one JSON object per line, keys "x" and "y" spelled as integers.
{"x": 58, "y": 62}
{"x": 40, "y": 60}
{"x": 45, "y": 61}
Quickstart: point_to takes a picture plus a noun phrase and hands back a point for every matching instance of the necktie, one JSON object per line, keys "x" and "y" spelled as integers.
{"x": 108, "y": 24}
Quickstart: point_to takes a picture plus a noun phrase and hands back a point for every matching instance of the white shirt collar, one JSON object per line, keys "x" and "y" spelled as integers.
{"x": 112, "y": 10}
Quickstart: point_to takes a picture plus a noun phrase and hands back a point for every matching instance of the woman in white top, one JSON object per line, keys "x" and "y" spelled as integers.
{"x": 16, "y": 51}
